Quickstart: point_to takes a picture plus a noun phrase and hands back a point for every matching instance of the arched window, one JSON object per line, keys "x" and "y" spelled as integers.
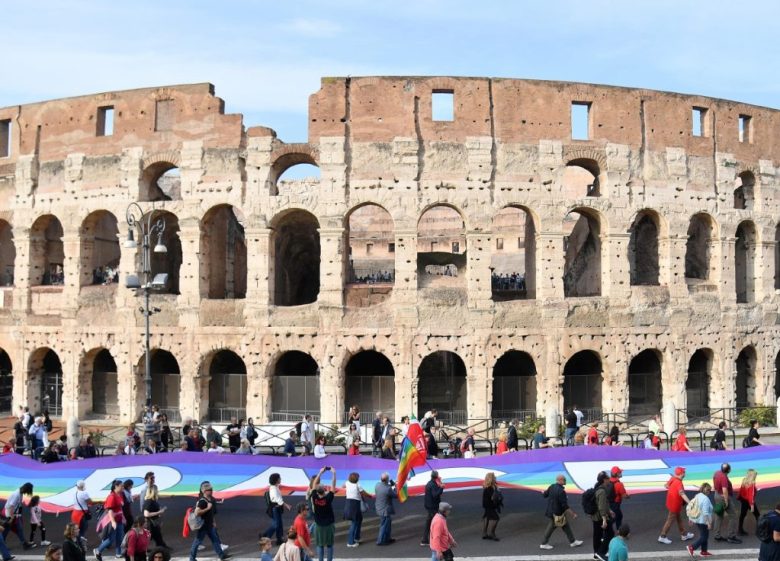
{"x": 744, "y": 262}
{"x": 227, "y": 387}
{"x": 160, "y": 181}
{"x": 644, "y": 384}
{"x": 7, "y": 254}
{"x": 582, "y": 377}
{"x": 6, "y": 383}
{"x": 514, "y": 387}
{"x": 170, "y": 261}
{"x": 105, "y": 397}
{"x": 370, "y": 382}
{"x": 166, "y": 381}
{"x": 99, "y": 249}
{"x": 223, "y": 259}
{"x": 441, "y": 248}
{"x": 296, "y": 387}
{"x": 697, "y": 385}
{"x": 441, "y": 380}
{"x": 698, "y": 248}
{"x": 643, "y": 250}
{"x": 513, "y": 255}
{"x": 296, "y": 244}
{"x": 746, "y": 378}
{"x": 581, "y": 179}
{"x": 582, "y": 250}
{"x": 47, "y": 255}
{"x": 744, "y": 193}
{"x": 293, "y": 168}
{"x": 371, "y": 256}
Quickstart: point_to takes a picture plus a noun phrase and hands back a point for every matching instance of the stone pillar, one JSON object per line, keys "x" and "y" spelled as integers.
{"x": 405, "y": 287}
{"x": 478, "y": 270}
{"x": 332, "y": 395}
{"x": 673, "y": 266}
{"x": 22, "y": 266}
{"x": 615, "y": 273}
{"x": 258, "y": 281}
{"x": 405, "y": 379}
{"x": 478, "y": 392}
{"x": 331, "y": 268}
{"x": 258, "y": 393}
{"x": 72, "y": 268}
{"x": 189, "y": 285}
{"x": 728, "y": 290}
{"x": 549, "y": 266}
{"x": 765, "y": 264}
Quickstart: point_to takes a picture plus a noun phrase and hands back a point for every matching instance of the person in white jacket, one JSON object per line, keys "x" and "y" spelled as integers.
{"x": 700, "y": 513}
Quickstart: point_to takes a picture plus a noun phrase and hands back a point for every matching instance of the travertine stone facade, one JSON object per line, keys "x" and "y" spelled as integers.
{"x": 654, "y": 182}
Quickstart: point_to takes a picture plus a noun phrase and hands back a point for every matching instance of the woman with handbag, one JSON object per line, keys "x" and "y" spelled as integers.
{"x": 81, "y": 515}
{"x": 153, "y": 514}
{"x": 492, "y": 502}
{"x": 354, "y": 507}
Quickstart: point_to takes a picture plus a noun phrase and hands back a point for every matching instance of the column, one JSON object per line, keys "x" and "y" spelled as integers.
{"x": 405, "y": 287}
{"x": 258, "y": 276}
{"x": 549, "y": 266}
{"x": 478, "y": 270}
{"x": 728, "y": 290}
{"x": 331, "y": 268}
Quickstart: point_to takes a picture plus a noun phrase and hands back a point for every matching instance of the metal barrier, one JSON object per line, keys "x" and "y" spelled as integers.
{"x": 688, "y": 430}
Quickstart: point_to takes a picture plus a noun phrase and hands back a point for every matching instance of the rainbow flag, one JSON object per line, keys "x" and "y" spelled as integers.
{"x": 414, "y": 451}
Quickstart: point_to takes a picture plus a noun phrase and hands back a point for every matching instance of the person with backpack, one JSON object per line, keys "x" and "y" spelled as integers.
{"x": 699, "y": 511}
{"x": 557, "y": 508}
{"x": 718, "y": 441}
{"x": 251, "y": 431}
{"x": 206, "y": 510}
{"x": 725, "y": 505}
{"x": 13, "y": 512}
{"x": 113, "y": 519}
{"x": 747, "y": 500}
{"x": 753, "y": 438}
{"x": 675, "y": 497}
{"x": 768, "y": 532}
{"x": 600, "y": 516}
{"x": 275, "y": 507}
{"x": 137, "y": 541}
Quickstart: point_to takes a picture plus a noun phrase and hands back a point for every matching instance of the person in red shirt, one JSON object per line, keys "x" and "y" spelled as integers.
{"x": 501, "y": 446}
{"x": 114, "y": 518}
{"x": 354, "y": 448}
{"x": 302, "y": 529}
{"x": 138, "y": 541}
{"x": 724, "y": 494}
{"x": 681, "y": 443}
{"x": 675, "y": 497}
{"x": 619, "y": 493}
{"x": 747, "y": 499}
{"x": 593, "y": 435}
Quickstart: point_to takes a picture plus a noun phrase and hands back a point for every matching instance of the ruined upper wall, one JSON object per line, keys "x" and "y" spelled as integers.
{"x": 54, "y": 129}
{"x": 381, "y": 109}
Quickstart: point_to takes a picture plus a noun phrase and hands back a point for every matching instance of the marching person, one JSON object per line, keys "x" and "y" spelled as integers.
{"x": 675, "y": 497}
{"x": 114, "y": 518}
{"x": 433, "y": 492}
{"x": 81, "y": 515}
{"x": 206, "y": 508}
{"x": 324, "y": 517}
{"x": 602, "y": 526}
{"x": 384, "y": 494}
{"x": 557, "y": 508}
{"x": 747, "y": 499}
{"x": 492, "y": 502}
{"x": 353, "y": 508}
{"x": 278, "y": 507}
{"x": 619, "y": 494}
{"x": 618, "y": 548}
{"x": 442, "y": 541}
{"x": 13, "y": 512}
{"x": 702, "y": 517}
{"x": 153, "y": 513}
{"x": 724, "y": 494}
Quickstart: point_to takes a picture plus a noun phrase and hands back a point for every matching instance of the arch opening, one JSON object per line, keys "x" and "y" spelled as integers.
{"x": 644, "y": 384}
{"x": 223, "y": 256}
{"x": 744, "y": 193}
{"x": 47, "y": 253}
{"x": 643, "y": 263}
{"x": 105, "y": 382}
{"x": 170, "y": 261}
{"x": 227, "y": 387}
{"x": 744, "y": 262}
{"x": 441, "y": 380}
{"x": 6, "y": 383}
{"x": 582, "y": 380}
{"x": 581, "y": 179}
{"x": 371, "y": 266}
{"x": 698, "y": 248}
{"x": 100, "y": 253}
{"x": 295, "y": 387}
{"x": 370, "y": 382}
{"x": 441, "y": 248}
{"x": 7, "y": 254}
{"x": 513, "y": 255}
{"x": 296, "y": 244}
{"x": 291, "y": 168}
{"x": 514, "y": 387}
{"x": 160, "y": 181}
{"x": 166, "y": 382}
{"x": 746, "y": 378}
{"x": 582, "y": 254}
{"x": 697, "y": 385}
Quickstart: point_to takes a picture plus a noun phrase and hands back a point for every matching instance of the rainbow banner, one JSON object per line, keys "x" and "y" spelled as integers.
{"x": 180, "y": 474}
{"x": 413, "y": 454}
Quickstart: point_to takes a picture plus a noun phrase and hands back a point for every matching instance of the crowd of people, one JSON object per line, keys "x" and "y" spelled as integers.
{"x": 105, "y": 275}
{"x": 507, "y": 281}
{"x": 374, "y": 277}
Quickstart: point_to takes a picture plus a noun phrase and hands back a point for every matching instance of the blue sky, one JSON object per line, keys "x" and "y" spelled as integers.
{"x": 265, "y": 58}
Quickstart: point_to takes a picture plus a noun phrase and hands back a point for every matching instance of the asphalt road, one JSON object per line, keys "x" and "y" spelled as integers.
{"x": 521, "y": 527}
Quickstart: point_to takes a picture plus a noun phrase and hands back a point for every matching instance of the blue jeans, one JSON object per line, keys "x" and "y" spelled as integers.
{"x": 385, "y": 525}
{"x": 204, "y": 531}
{"x": 569, "y": 436}
{"x": 17, "y": 527}
{"x": 276, "y": 525}
{"x": 704, "y": 535}
{"x": 4, "y": 549}
{"x": 321, "y": 552}
{"x": 354, "y": 529}
{"x": 434, "y": 556}
{"x": 115, "y": 536}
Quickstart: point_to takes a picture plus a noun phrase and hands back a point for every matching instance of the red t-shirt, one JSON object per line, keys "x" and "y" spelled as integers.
{"x": 353, "y": 451}
{"x": 501, "y": 447}
{"x": 674, "y": 501}
{"x": 620, "y": 489}
{"x": 593, "y": 436}
{"x": 304, "y": 539}
{"x": 681, "y": 443}
{"x": 114, "y": 502}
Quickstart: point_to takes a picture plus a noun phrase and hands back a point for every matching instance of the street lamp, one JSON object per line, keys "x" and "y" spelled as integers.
{"x": 147, "y": 228}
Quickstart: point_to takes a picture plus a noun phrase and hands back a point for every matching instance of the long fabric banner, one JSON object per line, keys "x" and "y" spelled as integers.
{"x": 644, "y": 471}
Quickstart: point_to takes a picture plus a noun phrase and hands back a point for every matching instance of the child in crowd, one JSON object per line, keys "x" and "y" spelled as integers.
{"x": 265, "y": 549}
{"x": 36, "y": 520}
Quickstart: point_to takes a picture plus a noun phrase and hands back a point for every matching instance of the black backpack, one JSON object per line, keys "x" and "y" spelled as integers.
{"x": 746, "y": 442}
{"x": 589, "y": 505}
{"x": 269, "y": 507}
{"x": 764, "y": 528}
{"x": 609, "y": 488}
{"x": 298, "y": 426}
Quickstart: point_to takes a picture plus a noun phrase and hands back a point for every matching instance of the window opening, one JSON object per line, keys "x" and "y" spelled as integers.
{"x": 5, "y": 138}
{"x": 698, "y": 121}
{"x": 580, "y": 120}
{"x": 745, "y": 128}
{"x": 443, "y": 105}
{"x": 105, "y": 121}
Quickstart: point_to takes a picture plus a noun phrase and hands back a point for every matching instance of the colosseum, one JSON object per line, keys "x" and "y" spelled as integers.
{"x": 492, "y": 248}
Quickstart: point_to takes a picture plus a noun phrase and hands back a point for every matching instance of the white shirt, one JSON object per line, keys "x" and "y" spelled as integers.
{"x": 307, "y": 432}
{"x": 580, "y": 416}
{"x": 275, "y": 495}
{"x": 354, "y": 490}
{"x": 319, "y": 451}
{"x": 13, "y": 502}
{"x": 82, "y": 500}
{"x": 217, "y": 450}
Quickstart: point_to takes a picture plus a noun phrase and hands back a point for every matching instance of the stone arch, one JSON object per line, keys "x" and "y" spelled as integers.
{"x": 644, "y": 384}
{"x": 513, "y": 254}
{"x": 582, "y": 380}
{"x": 745, "y": 262}
{"x": 581, "y": 176}
{"x": 643, "y": 255}
{"x": 44, "y": 381}
{"x": 514, "y": 386}
{"x": 745, "y": 191}
{"x": 370, "y": 241}
{"x": 99, "y": 384}
{"x": 223, "y": 255}
{"x": 746, "y": 378}
{"x": 370, "y": 381}
{"x": 7, "y": 254}
{"x": 170, "y": 261}
{"x": 295, "y": 242}
{"x": 697, "y": 383}
{"x": 47, "y": 252}
{"x": 100, "y": 253}
{"x": 160, "y": 179}
{"x": 166, "y": 382}
{"x": 288, "y": 156}
{"x": 701, "y": 247}
{"x": 295, "y": 387}
{"x": 223, "y": 386}
{"x": 441, "y": 247}
{"x": 441, "y": 385}
{"x": 582, "y": 229}
{"x": 6, "y": 383}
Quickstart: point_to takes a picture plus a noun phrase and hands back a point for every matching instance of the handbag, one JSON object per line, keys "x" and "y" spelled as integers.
{"x": 447, "y": 555}
{"x": 363, "y": 505}
{"x": 559, "y": 520}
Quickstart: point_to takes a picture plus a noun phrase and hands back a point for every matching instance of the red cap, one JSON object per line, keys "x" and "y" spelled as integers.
{"x": 616, "y": 470}
{"x": 679, "y": 470}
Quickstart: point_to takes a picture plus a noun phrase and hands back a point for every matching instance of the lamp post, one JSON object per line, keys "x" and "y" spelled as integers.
{"x": 147, "y": 227}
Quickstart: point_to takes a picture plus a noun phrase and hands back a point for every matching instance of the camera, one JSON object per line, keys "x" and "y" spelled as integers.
{"x": 392, "y": 483}
{"x": 327, "y": 468}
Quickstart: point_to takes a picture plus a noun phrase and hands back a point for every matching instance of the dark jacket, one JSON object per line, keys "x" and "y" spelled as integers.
{"x": 602, "y": 505}
{"x": 492, "y": 501}
{"x": 383, "y": 499}
{"x": 511, "y": 437}
{"x": 72, "y": 552}
{"x": 432, "y": 496}
{"x": 557, "y": 502}
{"x": 377, "y": 432}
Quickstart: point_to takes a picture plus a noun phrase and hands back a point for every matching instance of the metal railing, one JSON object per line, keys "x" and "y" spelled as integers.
{"x": 225, "y": 414}
{"x": 506, "y": 415}
{"x": 292, "y": 416}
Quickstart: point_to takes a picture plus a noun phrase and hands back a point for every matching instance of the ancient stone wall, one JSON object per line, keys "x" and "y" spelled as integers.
{"x": 668, "y": 223}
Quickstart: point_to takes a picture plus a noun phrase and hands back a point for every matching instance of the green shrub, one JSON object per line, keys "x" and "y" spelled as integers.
{"x": 764, "y": 415}
{"x": 528, "y": 429}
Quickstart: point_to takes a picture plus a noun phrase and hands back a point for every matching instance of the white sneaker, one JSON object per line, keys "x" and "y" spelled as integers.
{"x": 664, "y": 539}
{"x": 545, "y": 546}
{"x": 201, "y": 547}
{"x": 576, "y": 543}
{"x": 225, "y": 546}
{"x": 353, "y": 544}
{"x": 45, "y": 542}
{"x": 686, "y": 537}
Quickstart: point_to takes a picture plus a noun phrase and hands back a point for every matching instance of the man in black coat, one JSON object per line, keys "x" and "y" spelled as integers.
{"x": 511, "y": 436}
{"x": 557, "y": 507}
{"x": 433, "y": 491}
{"x": 376, "y": 435}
